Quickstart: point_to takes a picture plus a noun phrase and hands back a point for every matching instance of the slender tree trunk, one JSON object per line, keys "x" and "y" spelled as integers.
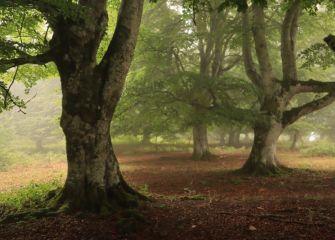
{"x": 237, "y": 142}
{"x": 262, "y": 159}
{"x": 295, "y": 139}
{"x": 200, "y": 142}
{"x": 222, "y": 140}
{"x": 234, "y": 138}
{"x": 146, "y": 138}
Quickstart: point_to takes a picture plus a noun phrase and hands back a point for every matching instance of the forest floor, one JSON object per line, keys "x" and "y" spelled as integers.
{"x": 199, "y": 200}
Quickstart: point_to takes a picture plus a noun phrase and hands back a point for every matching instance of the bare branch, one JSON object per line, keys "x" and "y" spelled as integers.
{"x": 7, "y": 94}
{"x": 294, "y": 114}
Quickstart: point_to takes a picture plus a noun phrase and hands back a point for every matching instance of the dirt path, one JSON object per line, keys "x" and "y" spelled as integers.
{"x": 204, "y": 200}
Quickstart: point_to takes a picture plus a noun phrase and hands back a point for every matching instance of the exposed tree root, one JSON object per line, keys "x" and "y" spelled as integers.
{"x": 263, "y": 170}
{"x": 29, "y": 215}
{"x": 119, "y": 199}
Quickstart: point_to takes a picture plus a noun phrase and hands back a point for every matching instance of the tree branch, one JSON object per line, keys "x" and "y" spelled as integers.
{"x": 116, "y": 62}
{"x": 288, "y": 42}
{"x": 44, "y": 6}
{"x": 262, "y": 52}
{"x": 249, "y": 64}
{"x": 40, "y": 59}
{"x": 294, "y": 114}
{"x": 297, "y": 87}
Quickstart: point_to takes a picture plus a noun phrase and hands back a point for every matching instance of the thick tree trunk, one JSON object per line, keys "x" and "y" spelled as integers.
{"x": 94, "y": 182}
{"x": 200, "y": 142}
{"x": 262, "y": 159}
{"x": 91, "y": 92}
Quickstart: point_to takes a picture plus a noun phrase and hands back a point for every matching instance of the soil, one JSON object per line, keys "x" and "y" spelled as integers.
{"x": 205, "y": 200}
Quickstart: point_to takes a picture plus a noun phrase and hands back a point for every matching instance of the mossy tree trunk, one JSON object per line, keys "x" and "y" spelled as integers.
{"x": 90, "y": 95}
{"x": 91, "y": 91}
{"x": 262, "y": 159}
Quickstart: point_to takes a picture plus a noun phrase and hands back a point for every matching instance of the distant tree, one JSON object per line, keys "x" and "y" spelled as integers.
{"x": 181, "y": 77}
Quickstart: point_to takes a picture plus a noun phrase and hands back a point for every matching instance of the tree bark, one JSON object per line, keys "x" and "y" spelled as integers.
{"x": 295, "y": 139}
{"x": 91, "y": 93}
{"x": 234, "y": 138}
{"x": 262, "y": 159}
{"x": 222, "y": 138}
{"x": 200, "y": 142}
{"x": 146, "y": 136}
{"x": 94, "y": 182}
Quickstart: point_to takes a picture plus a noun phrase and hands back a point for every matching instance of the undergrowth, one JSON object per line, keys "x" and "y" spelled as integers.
{"x": 28, "y": 198}
{"x": 320, "y": 150}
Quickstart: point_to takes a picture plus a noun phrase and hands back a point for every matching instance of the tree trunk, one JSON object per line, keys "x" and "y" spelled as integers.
{"x": 94, "y": 182}
{"x": 200, "y": 142}
{"x": 146, "y": 138}
{"x": 295, "y": 139}
{"x": 234, "y": 138}
{"x": 91, "y": 92}
{"x": 222, "y": 140}
{"x": 262, "y": 159}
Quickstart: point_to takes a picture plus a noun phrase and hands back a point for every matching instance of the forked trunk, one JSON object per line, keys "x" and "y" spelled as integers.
{"x": 262, "y": 159}
{"x": 91, "y": 92}
{"x": 200, "y": 143}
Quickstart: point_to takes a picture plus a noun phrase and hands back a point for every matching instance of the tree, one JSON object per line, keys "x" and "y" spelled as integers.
{"x": 180, "y": 69}
{"x": 276, "y": 112}
{"x": 90, "y": 91}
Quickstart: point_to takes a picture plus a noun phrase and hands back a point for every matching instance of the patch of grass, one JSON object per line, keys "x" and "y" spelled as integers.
{"x": 29, "y": 198}
{"x": 196, "y": 197}
{"x": 144, "y": 189}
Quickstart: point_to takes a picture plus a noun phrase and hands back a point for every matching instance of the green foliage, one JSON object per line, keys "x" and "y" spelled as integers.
{"x": 318, "y": 55}
{"x": 29, "y": 198}
{"x": 23, "y": 32}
